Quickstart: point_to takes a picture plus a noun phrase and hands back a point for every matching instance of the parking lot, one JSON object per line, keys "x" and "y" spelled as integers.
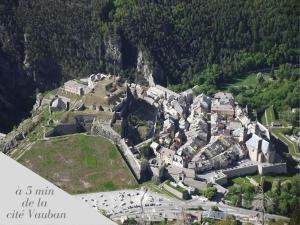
{"x": 139, "y": 204}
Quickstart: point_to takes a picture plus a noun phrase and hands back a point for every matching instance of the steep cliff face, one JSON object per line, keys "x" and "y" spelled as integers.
{"x": 148, "y": 70}
{"x": 143, "y": 67}
{"x": 112, "y": 53}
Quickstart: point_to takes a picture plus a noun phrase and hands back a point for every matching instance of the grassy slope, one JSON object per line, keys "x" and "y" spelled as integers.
{"x": 279, "y": 133}
{"x": 268, "y": 118}
{"x": 248, "y": 80}
{"x": 79, "y": 163}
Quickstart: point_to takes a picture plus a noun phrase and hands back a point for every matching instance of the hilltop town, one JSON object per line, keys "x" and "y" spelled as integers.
{"x": 186, "y": 142}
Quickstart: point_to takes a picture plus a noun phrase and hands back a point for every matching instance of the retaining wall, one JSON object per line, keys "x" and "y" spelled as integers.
{"x": 107, "y": 132}
{"x": 64, "y": 129}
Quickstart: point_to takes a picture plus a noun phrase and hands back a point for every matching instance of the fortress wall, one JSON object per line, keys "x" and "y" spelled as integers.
{"x": 221, "y": 180}
{"x": 113, "y": 119}
{"x": 85, "y": 122}
{"x": 272, "y": 169}
{"x": 146, "y": 142}
{"x": 11, "y": 142}
{"x": 135, "y": 165}
{"x": 109, "y": 133}
{"x": 9, "y": 145}
{"x": 241, "y": 171}
{"x": 105, "y": 131}
{"x": 64, "y": 129}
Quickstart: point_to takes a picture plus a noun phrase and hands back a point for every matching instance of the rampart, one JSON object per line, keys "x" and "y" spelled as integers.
{"x": 272, "y": 169}
{"x": 107, "y": 132}
{"x": 240, "y": 171}
{"x": 64, "y": 129}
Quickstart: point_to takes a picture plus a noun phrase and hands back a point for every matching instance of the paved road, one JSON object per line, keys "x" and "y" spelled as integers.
{"x": 147, "y": 205}
{"x": 240, "y": 213}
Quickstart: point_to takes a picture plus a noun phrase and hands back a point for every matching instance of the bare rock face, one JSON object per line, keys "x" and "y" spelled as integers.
{"x": 26, "y": 61}
{"x": 11, "y": 142}
{"x": 38, "y": 101}
{"x": 113, "y": 54}
{"x": 144, "y": 68}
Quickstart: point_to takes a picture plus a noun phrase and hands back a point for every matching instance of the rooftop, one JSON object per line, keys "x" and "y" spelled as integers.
{"x": 223, "y": 95}
{"x": 254, "y": 142}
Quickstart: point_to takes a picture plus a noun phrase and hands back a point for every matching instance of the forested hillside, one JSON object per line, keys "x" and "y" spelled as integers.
{"x": 186, "y": 38}
{"x": 195, "y": 42}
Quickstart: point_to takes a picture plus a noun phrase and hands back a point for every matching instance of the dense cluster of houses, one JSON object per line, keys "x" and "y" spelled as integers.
{"x": 204, "y": 134}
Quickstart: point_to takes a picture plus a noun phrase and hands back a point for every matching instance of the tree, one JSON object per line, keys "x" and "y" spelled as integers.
{"x": 146, "y": 151}
{"x": 295, "y": 217}
{"x": 272, "y": 72}
{"x": 187, "y": 43}
{"x": 286, "y": 186}
{"x": 210, "y": 192}
{"x": 285, "y": 71}
{"x": 215, "y": 208}
{"x": 260, "y": 78}
{"x": 283, "y": 206}
{"x": 276, "y": 187}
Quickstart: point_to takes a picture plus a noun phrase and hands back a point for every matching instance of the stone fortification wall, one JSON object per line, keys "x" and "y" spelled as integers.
{"x": 85, "y": 122}
{"x": 146, "y": 142}
{"x": 107, "y": 132}
{"x": 64, "y": 129}
{"x": 240, "y": 171}
{"x": 11, "y": 141}
{"x": 134, "y": 164}
{"x": 82, "y": 123}
{"x": 8, "y": 145}
{"x": 221, "y": 179}
{"x": 272, "y": 169}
